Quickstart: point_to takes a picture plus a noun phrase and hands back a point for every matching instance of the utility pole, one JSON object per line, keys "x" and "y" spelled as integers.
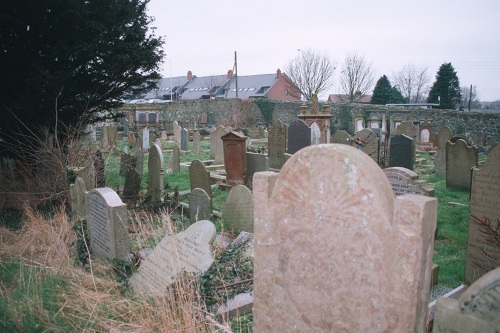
{"x": 470, "y": 96}
{"x": 236, "y": 72}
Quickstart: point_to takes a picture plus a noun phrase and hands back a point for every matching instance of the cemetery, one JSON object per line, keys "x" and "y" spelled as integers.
{"x": 191, "y": 225}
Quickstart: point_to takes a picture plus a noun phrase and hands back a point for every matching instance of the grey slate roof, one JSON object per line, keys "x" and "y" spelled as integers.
{"x": 200, "y": 87}
{"x": 249, "y": 86}
{"x": 164, "y": 86}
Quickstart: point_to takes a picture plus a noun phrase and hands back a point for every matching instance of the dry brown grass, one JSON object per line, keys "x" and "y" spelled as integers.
{"x": 92, "y": 301}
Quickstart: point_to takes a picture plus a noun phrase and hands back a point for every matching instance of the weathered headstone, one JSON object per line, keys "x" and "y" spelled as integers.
{"x": 315, "y": 134}
{"x": 145, "y": 138}
{"x": 99, "y": 172}
{"x": 196, "y": 143}
{"x": 184, "y": 139}
{"x": 370, "y": 143}
{"x": 235, "y": 163}
{"x": 87, "y": 174}
{"x": 476, "y": 311}
{"x": 440, "y": 158}
{"x": 174, "y": 163}
{"x": 78, "y": 200}
{"x": 216, "y": 146}
{"x": 401, "y": 152}
{"x": 378, "y": 248}
{"x": 131, "y": 138}
{"x": 342, "y": 137}
{"x": 188, "y": 251}
{"x": 139, "y": 161}
{"x": 127, "y": 161}
{"x": 178, "y": 135}
{"x": 155, "y": 174}
{"x": 483, "y": 246}
{"x": 238, "y": 210}
{"x": 277, "y": 144}
{"x": 107, "y": 224}
{"x": 199, "y": 177}
{"x": 200, "y": 205}
{"x": 299, "y": 136}
{"x": 108, "y": 138}
{"x": 460, "y": 159}
{"x": 256, "y": 163}
{"x": 132, "y": 184}
{"x": 404, "y": 181}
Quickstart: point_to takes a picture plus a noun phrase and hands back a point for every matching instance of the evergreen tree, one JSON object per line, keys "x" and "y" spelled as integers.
{"x": 396, "y": 96}
{"x": 382, "y": 91}
{"x": 446, "y": 88}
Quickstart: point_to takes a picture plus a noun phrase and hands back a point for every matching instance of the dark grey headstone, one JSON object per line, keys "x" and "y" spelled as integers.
{"x": 255, "y": 163}
{"x": 276, "y": 144}
{"x": 127, "y": 161}
{"x": 460, "y": 158}
{"x": 200, "y": 205}
{"x": 299, "y": 136}
{"x": 184, "y": 139}
{"x": 401, "y": 152}
{"x": 132, "y": 184}
{"x": 199, "y": 177}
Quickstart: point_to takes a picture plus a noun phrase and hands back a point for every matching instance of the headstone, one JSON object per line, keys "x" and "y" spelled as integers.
{"x": 196, "y": 143}
{"x": 199, "y": 177}
{"x": 315, "y": 134}
{"x": 404, "y": 181}
{"x": 125, "y": 126}
{"x": 335, "y": 247}
{"x": 440, "y": 158}
{"x": 483, "y": 245}
{"x": 178, "y": 135}
{"x": 460, "y": 158}
{"x": 145, "y": 138}
{"x": 342, "y": 137}
{"x": 401, "y": 152}
{"x": 256, "y": 163}
{"x": 299, "y": 136}
{"x": 261, "y": 131}
{"x": 425, "y": 132}
{"x": 216, "y": 146}
{"x": 131, "y": 138}
{"x": 107, "y": 224}
{"x": 184, "y": 139}
{"x": 169, "y": 127}
{"x": 174, "y": 164}
{"x": 235, "y": 163}
{"x": 99, "y": 172}
{"x": 188, "y": 251}
{"x": 126, "y": 162}
{"x": 370, "y": 143}
{"x": 277, "y": 144}
{"x": 204, "y": 118}
{"x": 476, "y": 311}
{"x": 238, "y": 210}
{"x": 87, "y": 174}
{"x": 78, "y": 200}
{"x": 132, "y": 185}
{"x": 155, "y": 173}
{"x": 444, "y": 135}
{"x": 139, "y": 161}
{"x": 200, "y": 205}
{"x": 175, "y": 125}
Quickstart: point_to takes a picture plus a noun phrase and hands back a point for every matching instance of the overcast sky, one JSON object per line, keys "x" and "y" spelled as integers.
{"x": 202, "y": 36}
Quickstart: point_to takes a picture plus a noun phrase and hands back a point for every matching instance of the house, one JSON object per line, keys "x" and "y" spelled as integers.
{"x": 342, "y": 98}
{"x": 170, "y": 88}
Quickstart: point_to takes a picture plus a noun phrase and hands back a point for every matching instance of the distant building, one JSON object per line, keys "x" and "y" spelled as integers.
{"x": 342, "y": 98}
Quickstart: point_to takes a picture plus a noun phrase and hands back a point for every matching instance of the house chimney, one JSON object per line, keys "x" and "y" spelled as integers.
{"x": 230, "y": 74}
{"x": 278, "y": 74}
{"x": 190, "y": 76}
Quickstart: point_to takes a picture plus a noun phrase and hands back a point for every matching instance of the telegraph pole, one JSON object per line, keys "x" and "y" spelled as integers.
{"x": 236, "y": 72}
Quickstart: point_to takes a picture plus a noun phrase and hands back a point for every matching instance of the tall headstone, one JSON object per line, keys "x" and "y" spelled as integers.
{"x": 127, "y": 161}
{"x": 276, "y": 144}
{"x": 216, "y": 146}
{"x": 184, "y": 139}
{"x": 460, "y": 159}
{"x": 315, "y": 134}
{"x": 132, "y": 185}
{"x": 155, "y": 174}
{"x": 199, "y": 177}
{"x": 370, "y": 143}
{"x": 256, "y": 163}
{"x": 404, "y": 181}
{"x": 78, "y": 200}
{"x": 299, "y": 136}
{"x": 401, "y": 152}
{"x": 145, "y": 138}
{"x": 483, "y": 245}
{"x": 235, "y": 164}
{"x": 440, "y": 158}
{"x": 342, "y": 137}
{"x": 139, "y": 161}
{"x": 174, "y": 164}
{"x": 476, "y": 311}
{"x": 200, "y": 205}
{"x": 196, "y": 143}
{"x": 188, "y": 251}
{"x": 238, "y": 210}
{"x": 178, "y": 135}
{"x": 99, "y": 169}
{"x": 378, "y": 248}
{"x": 107, "y": 224}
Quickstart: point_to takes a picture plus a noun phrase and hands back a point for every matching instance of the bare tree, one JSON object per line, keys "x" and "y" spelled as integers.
{"x": 357, "y": 77}
{"x": 413, "y": 82}
{"x": 309, "y": 74}
{"x": 213, "y": 83}
{"x": 470, "y": 95}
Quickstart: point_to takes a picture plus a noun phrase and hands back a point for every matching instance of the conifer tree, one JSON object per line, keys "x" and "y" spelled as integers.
{"x": 446, "y": 88}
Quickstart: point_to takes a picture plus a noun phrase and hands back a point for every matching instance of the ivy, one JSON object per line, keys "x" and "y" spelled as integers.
{"x": 266, "y": 107}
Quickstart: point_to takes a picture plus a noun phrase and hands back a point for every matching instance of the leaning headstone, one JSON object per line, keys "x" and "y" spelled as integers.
{"x": 460, "y": 159}
{"x": 476, "y": 311}
{"x": 483, "y": 245}
{"x": 238, "y": 210}
{"x": 342, "y": 137}
{"x": 107, "y": 224}
{"x": 404, "y": 181}
{"x": 401, "y": 152}
{"x": 155, "y": 173}
{"x": 196, "y": 143}
{"x": 200, "y": 205}
{"x": 370, "y": 143}
{"x": 188, "y": 251}
{"x": 199, "y": 177}
{"x": 174, "y": 164}
{"x": 315, "y": 134}
{"x": 256, "y": 163}
{"x": 132, "y": 184}
{"x": 184, "y": 139}
{"x": 78, "y": 200}
{"x": 145, "y": 138}
{"x": 378, "y": 248}
{"x": 299, "y": 136}
{"x": 276, "y": 144}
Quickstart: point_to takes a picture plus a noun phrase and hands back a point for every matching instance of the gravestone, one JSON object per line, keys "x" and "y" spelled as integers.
{"x": 132, "y": 184}
{"x": 299, "y": 136}
{"x": 131, "y": 138}
{"x": 342, "y": 137}
{"x": 145, "y": 138}
{"x": 371, "y": 143}
{"x": 178, "y": 135}
{"x": 204, "y": 119}
{"x": 78, "y": 200}
{"x": 483, "y": 245}
{"x": 238, "y": 210}
{"x": 184, "y": 139}
{"x": 196, "y": 143}
{"x": 425, "y": 132}
{"x": 216, "y": 146}
{"x": 174, "y": 164}
{"x": 155, "y": 174}
{"x": 99, "y": 172}
{"x": 460, "y": 158}
{"x": 200, "y": 205}
{"x": 235, "y": 163}
{"x": 108, "y": 138}
{"x": 404, "y": 181}
{"x": 107, "y": 224}
{"x": 440, "y": 158}
{"x": 125, "y": 126}
{"x": 262, "y": 129}
{"x": 199, "y": 177}
{"x": 87, "y": 174}
{"x": 256, "y": 163}
{"x": 444, "y": 135}
{"x": 401, "y": 152}
{"x": 169, "y": 127}
{"x": 277, "y": 144}
{"x": 315, "y": 134}
{"x": 126, "y": 162}
{"x": 139, "y": 161}
{"x": 188, "y": 251}
{"x": 337, "y": 250}
{"x": 476, "y": 311}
